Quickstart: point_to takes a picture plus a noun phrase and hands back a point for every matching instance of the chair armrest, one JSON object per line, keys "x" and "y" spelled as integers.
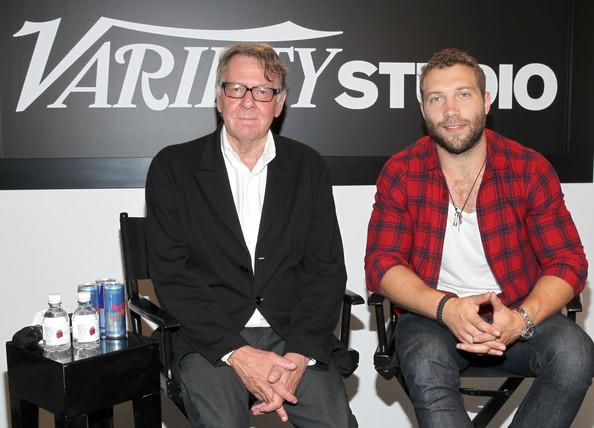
{"x": 348, "y": 299}
{"x": 166, "y": 324}
{"x": 573, "y": 307}
{"x": 148, "y": 310}
{"x": 375, "y": 299}
{"x": 352, "y": 298}
{"x": 383, "y": 357}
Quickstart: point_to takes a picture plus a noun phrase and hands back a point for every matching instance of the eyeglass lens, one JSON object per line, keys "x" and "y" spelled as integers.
{"x": 259, "y": 93}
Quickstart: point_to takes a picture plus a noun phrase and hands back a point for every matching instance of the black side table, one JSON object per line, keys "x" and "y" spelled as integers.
{"x": 77, "y": 389}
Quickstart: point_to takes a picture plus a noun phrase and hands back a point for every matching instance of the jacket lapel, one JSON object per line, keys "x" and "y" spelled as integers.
{"x": 280, "y": 184}
{"x": 214, "y": 182}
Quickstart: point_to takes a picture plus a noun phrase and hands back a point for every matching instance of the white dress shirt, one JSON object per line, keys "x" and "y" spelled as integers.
{"x": 248, "y": 189}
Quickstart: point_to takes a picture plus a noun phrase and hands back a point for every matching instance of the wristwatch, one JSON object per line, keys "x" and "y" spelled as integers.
{"x": 529, "y": 326}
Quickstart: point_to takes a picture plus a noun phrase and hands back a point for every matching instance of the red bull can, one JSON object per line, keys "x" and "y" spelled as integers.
{"x": 114, "y": 298}
{"x": 111, "y": 345}
{"x": 92, "y": 288}
{"x": 101, "y": 297}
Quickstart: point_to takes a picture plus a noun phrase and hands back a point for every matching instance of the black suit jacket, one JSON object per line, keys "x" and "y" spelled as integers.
{"x": 201, "y": 267}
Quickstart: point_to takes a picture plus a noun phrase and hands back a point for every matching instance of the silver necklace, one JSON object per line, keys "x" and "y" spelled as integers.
{"x": 458, "y": 211}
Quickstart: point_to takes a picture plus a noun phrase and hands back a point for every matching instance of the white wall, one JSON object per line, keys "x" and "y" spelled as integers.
{"x": 52, "y": 240}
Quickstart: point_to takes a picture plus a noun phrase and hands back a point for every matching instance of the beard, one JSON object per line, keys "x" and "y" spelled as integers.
{"x": 458, "y": 144}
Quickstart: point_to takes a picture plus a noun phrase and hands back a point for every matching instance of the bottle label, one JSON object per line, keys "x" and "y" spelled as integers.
{"x": 56, "y": 331}
{"x": 85, "y": 328}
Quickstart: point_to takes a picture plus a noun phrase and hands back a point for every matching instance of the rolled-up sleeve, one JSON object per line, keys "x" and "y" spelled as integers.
{"x": 552, "y": 232}
{"x": 389, "y": 235}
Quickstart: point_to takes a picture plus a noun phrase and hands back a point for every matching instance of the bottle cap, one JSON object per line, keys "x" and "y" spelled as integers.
{"x": 54, "y": 298}
{"x": 84, "y": 296}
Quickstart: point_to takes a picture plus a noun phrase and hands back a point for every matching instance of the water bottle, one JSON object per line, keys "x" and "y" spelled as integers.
{"x": 85, "y": 323}
{"x": 55, "y": 325}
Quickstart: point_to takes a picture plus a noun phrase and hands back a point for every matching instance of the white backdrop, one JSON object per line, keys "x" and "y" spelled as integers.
{"x": 51, "y": 240}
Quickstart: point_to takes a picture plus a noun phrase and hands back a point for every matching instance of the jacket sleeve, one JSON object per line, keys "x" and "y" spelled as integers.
{"x": 322, "y": 277}
{"x": 205, "y": 327}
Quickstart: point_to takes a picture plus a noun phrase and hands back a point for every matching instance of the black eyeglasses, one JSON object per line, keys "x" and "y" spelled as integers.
{"x": 259, "y": 93}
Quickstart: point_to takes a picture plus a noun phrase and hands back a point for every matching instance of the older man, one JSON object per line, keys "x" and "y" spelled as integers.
{"x": 245, "y": 250}
{"x": 471, "y": 238}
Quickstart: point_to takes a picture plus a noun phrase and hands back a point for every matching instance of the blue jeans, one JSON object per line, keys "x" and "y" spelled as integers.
{"x": 560, "y": 356}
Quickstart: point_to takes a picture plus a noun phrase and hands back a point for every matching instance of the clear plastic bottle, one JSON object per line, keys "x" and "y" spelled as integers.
{"x": 55, "y": 325}
{"x": 85, "y": 323}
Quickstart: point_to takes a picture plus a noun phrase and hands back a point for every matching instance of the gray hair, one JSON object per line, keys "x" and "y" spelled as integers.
{"x": 273, "y": 66}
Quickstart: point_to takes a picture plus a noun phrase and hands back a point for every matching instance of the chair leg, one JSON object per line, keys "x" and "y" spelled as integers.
{"x": 23, "y": 414}
{"x": 101, "y": 418}
{"x": 497, "y": 400}
{"x": 147, "y": 411}
{"x": 62, "y": 421}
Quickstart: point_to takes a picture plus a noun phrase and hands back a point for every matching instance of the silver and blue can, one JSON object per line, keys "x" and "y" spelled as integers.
{"x": 114, "y": 298}
{"x": 92, "y": 288}
{"x": 111, "y": 345}
{"x": 100, "y": 290}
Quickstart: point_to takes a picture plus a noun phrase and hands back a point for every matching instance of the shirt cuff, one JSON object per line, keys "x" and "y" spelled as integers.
{"x": 225, "y": 358}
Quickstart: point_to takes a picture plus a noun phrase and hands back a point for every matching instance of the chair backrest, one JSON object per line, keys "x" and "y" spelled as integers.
{"x": 134, "y": 253}
{"x": 134, "y": 246}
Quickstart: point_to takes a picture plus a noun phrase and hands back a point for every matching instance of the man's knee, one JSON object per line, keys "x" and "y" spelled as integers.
{"x": 426, "y": 350}
{"x": 213, "y": 396}
{"x": 570, "y": 357}
{"x": 322, "y": 401}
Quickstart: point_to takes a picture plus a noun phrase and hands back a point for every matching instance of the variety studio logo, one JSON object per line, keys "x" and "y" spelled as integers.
{"x": 357, "y": 78}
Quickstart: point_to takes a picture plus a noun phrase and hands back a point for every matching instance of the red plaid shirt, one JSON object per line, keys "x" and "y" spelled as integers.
{"x": 525, "y": 227}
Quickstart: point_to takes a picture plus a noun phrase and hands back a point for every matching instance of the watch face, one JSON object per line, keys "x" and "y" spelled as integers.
{"x": 528, "y": 324}
{"x": 528, "y": 333}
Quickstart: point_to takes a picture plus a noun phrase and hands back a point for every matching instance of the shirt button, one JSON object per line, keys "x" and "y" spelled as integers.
{"x": 243, "y": 268}
{"x": 259, "y": 300}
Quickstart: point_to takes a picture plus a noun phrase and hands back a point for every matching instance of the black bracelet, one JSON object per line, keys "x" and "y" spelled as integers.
{"x": 440, "y": 305}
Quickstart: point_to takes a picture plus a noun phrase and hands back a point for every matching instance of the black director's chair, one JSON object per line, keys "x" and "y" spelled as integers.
{"x": 384, "y": 358}
{"x": 136, "y": 269}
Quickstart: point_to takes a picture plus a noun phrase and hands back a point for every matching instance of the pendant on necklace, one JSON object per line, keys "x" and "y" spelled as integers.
{"x": 458, "y": 211}
{"x": 457, "y": 217}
